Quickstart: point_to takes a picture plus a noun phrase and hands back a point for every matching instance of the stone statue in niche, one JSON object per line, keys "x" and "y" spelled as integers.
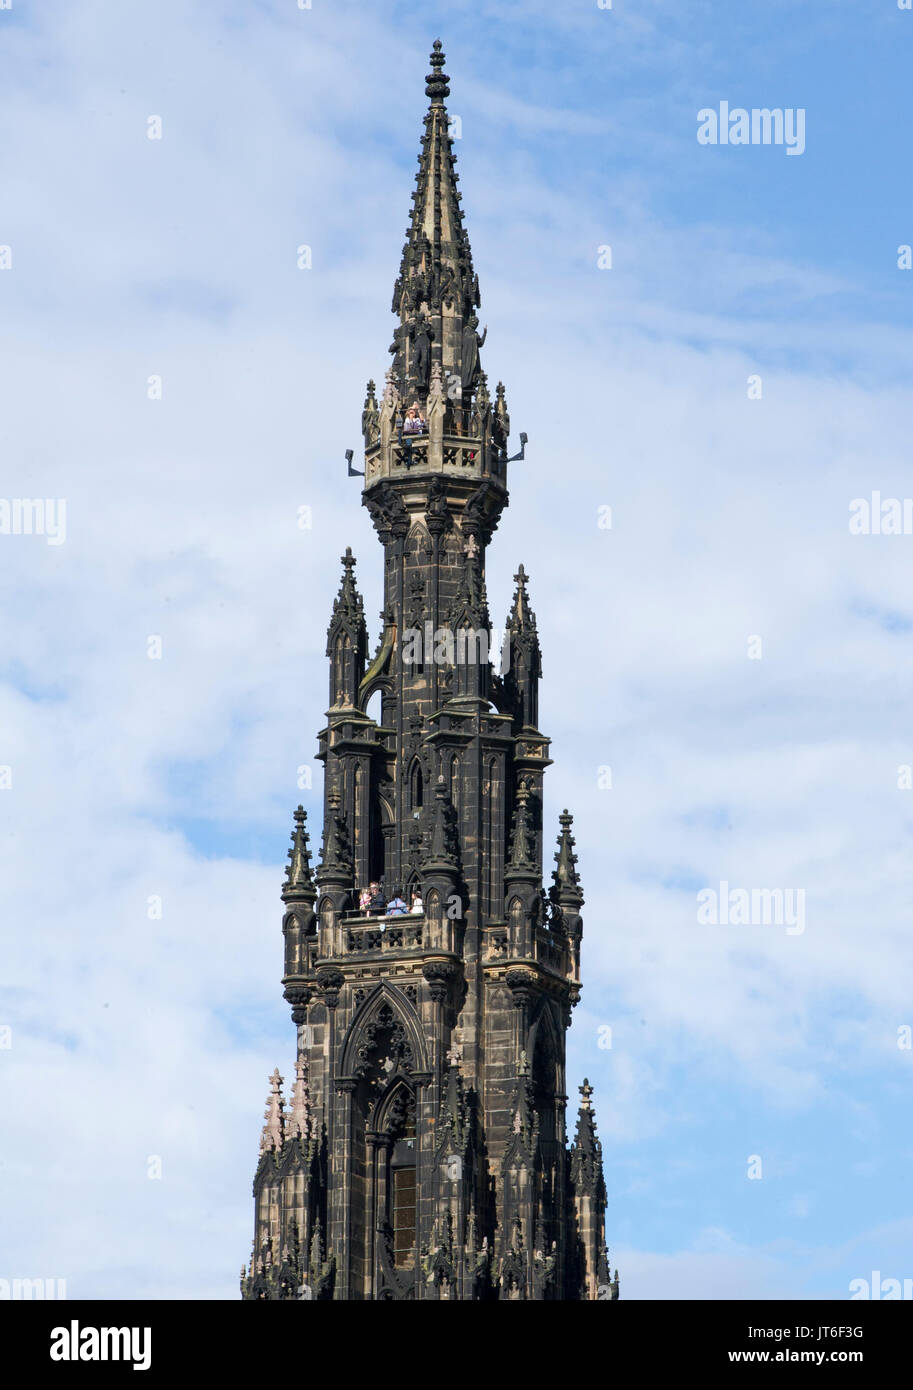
{"x": 469, "y": 358}
{"x": 421, "y": 352}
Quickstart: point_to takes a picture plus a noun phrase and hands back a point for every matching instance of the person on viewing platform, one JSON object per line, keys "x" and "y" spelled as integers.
{"x": 377, "y": 904}
{"x": 417, "y": 904}
{"x": 396, "y": 907}
{"x": 364, "y": 901}
{"x": 414, "y": 422}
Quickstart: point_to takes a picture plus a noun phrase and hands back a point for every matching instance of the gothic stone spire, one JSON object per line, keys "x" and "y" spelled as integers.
{"x": 419, "y": 1180}
{"x": 437, "y": 291}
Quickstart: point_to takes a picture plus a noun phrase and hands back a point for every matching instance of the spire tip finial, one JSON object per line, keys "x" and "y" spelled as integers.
{"x": 436, "y": 83}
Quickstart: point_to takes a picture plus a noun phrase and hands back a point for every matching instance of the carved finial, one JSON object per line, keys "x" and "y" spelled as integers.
{"x": 436, "y": 86}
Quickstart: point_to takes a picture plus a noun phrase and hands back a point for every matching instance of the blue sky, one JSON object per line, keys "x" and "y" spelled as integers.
{"x": 135, "y": 779}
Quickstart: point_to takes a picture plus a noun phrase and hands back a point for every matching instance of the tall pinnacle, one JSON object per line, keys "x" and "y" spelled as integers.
{"x": 586, "y": 1150}
{"x": 336, "y": 852}
{"x": 299, "y": 1114}
{"x": 525, "y": 1119}
{"x": 566, "y": 881}
{"x": 347, "y": 638}
{"x": 443, "y": 850}
{"x": 522, "y": 619}
{"x": 274, "y": 1130}
{"x": 437, "y": 291}
{"x": 298, "y": 881}
{"x": 348, "y": 607}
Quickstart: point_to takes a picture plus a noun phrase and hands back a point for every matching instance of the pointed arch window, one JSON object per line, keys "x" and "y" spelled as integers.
{"x": 416, "y": 787}
{"x": 403, "y": 1183}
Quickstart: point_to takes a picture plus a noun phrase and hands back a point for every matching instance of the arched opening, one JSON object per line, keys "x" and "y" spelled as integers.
{"x": 383, "y": 1169}
{"x": 547, "y": 1081}
{"x": 401, "y": 1187}
{"x": 416, "y": 787}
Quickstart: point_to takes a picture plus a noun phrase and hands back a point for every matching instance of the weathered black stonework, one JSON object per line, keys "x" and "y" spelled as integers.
{"x": 423, "y": 1151}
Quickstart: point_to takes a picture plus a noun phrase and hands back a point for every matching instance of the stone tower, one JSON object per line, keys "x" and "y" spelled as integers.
{"x": 423, "y": 1150}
